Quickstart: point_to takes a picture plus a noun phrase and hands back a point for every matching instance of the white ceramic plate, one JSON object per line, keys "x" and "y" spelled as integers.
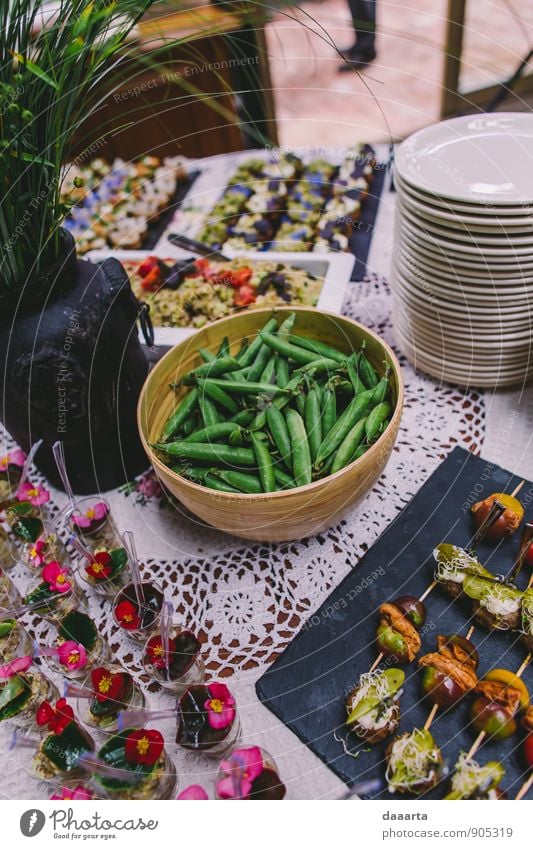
{"x": 483, "y": 212}
{"x": 482, "y": 292}
{"x": 474, "y": 158}
{"x": 451, "y": 267}
{"x": 480, "y": 262}
{"x": 454, "y": 248}
{"x": 334, "y": 268}
{"x": 501, "y": 238}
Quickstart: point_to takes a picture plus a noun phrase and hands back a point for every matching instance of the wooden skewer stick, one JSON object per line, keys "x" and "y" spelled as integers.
{"x": 431, "y": 587}
{"x": 431, "y": 716}
{"x": 377, "y": 661}
{"x": 526, "y": 786}
{"x": 517, "y": 489}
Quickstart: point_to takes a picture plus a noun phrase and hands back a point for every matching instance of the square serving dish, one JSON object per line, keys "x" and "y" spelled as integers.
{"x": 334, "y": 269}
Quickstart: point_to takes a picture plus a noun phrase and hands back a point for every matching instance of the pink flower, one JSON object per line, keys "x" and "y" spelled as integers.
{"x": 33, "y": 493}
{"x": 220, "y": 707}
{"x": 72, "y": 655}
{"x": 12, "y": 458}
{"x": 14, "y": 667}
{"x": 35, "y": 552}
{"x": 241, "y": 769}
{"x": 79, "y": 793}
{"x": 192, "y": 793}
{"x": 56, "y": 577}
{"x": 94, "y": 514}
{"x": 149, "y": 486}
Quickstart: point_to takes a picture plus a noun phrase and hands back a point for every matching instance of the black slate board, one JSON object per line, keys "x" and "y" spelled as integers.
{"x": 361, "y": 237}
{"x": 157, "y": 226}
{"x": 305, "y": 686}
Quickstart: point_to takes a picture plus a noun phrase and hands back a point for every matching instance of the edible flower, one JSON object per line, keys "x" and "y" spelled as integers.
{"x": 79, "y": 793}
{"x": 12, "y": 458}
{"x": 35, "y": 552}
{"x": 241, "y": 769}
{"x": 143, "y": 746}
{"x": 56, "y": 577}
{"x": 100, "y": 568}
{"x": 155, "y": 652}
{"x": 127, "y": 615}
{"x": 34, "y": 493}
{"x": 56, "y": 719}
{"x": 16, "y": 666}
{"x": 72, "y": 655}
{"x": 192, "y": 793}
{"x": 107, "y": 686}
{"x": 220, "y": 707}
{"x": 94, "y": 514}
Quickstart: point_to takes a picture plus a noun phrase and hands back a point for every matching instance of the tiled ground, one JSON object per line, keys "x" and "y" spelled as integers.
{"x": 401, "y": 90}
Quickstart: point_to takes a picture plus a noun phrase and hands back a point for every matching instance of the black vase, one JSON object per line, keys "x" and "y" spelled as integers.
{"x": 73, "y": 370}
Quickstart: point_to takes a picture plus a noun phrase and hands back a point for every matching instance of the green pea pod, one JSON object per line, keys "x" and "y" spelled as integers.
{"x": 318, "y": 348}
{"x": 215, "y": 368}
{"x": 189, "y": 425}
{"x": 242, "y": 481}
{"x": 264, "y": 463}
{"x": 259, "y": 364}
{"x": 283, "y": 479}
{"x": 247, "y": 356}
{"x": 282, "y": 371}
{"x": 244, "y": 345}
{"x": 206, "y": 355}
{"x": 236, "y": 437}
{"x": 182, "y": 412}
{"x": 353, "y": 373}
{"x": 291, "y": 352}
{"x": 278, "y": 428}
{"x": 223, "y": 351}
{"x": 320, "y": 366}
{"x": 375, "y": 419}
{"x": 380, "y": 392}
{"x": 313, "y": 422}
{"x": 210, "y": 414}
{"x": 301, "y": 456}
{"x": 360, "y": 451}
{"x": 195, "y": 473}
{"x": 349, "y": 445}
{"x": 268, "y": 373}
{"x": 328, "y": 412}
{"x": 249, "y": 387}
{"x": 244, "y": 418}
{"x": 353, "y": 412}
{"x": 300, "y": 403}
{"x": 219, "y": 395}
{"x": 259, "y": 421}
{"x": 223, "y": 430}
{"x": 286, "y": 326}
{"x": 208, "y": 452}
{"x": 367, "y": 372}
{"x": 214, "y": 482}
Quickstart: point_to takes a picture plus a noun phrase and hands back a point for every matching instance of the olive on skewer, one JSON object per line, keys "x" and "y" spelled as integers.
{"x": 373, "y": 705}
{"x": 414, "y": 762}
{"x": 450, "y": 672}
{"x": 501, "y": 695}
{"x": 473, "y": 781}
{"x": 496, "y": 605}
{"x": 508, "y": 522}
{"x": 397, "y": 634}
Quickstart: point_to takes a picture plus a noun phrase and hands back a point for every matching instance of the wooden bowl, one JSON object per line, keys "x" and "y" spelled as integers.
{"x": 291, "y": 514}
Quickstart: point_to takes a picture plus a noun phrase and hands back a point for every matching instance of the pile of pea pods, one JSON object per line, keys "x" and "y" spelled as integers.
{"x": 285, "y": 411}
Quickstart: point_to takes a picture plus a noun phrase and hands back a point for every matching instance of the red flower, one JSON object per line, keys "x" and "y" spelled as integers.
{"x": 144, "y": 747}
{"x": 108, "y": 686}
{"x": 100, "y": 568}
{"x": 56, "y": 718}
{"x": 220, "y": 707}
{"x": 127, "y": 615}
{"x": 155, "y": 653}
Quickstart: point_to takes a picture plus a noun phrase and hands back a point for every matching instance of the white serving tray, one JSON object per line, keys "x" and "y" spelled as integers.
{"x": 335, "y": 269}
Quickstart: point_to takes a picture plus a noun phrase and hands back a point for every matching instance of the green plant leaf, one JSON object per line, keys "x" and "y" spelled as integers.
{"x": 34, "y": 69}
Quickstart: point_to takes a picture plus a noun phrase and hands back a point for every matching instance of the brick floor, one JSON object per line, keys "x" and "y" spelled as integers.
{"x": 401, "y": 90}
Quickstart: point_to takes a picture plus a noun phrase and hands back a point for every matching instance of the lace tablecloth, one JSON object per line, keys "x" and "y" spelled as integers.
{"x": 248, "y": 601}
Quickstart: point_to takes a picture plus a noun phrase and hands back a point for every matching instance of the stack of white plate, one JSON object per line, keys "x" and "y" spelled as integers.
{"x": 463, "y": 259}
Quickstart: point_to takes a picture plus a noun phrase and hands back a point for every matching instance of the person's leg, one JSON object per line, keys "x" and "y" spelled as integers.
{"x": 364, "y": 22}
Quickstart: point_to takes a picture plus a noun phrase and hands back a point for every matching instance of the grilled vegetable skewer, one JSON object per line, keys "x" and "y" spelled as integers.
{"x": 373, "y": 705}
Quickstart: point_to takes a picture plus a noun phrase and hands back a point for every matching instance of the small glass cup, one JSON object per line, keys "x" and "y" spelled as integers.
{"x": 249, "y": 773}
{"x": 48, "y": 547}
{"x": 161, "y": 783}
{"x": 10, "y": 476}
{"x": 42, "y": 689}
{"x": 14, "y": 641}
{"x": 108, "y": 722}
{"x": 93, "y": 524}
{"x": 125, "y": 608}
{"x": 56, "y": 605}
{"x": 9, "y": 595}
{"x": 26, "y": 520}
{"x": 186, "y": 665}
{"x": 97, "y": 655}
{"x": 58, "y": 754}
{"x": 194, "y": 730}
{"x": 108, "y": 587}
{"x": 9, "y": 554}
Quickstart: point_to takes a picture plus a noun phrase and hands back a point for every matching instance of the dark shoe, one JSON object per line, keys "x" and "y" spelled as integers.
{"x": 356, "y": 59}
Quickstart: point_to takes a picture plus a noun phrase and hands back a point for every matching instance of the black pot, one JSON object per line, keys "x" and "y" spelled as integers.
{"x": 73, "y": 370}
